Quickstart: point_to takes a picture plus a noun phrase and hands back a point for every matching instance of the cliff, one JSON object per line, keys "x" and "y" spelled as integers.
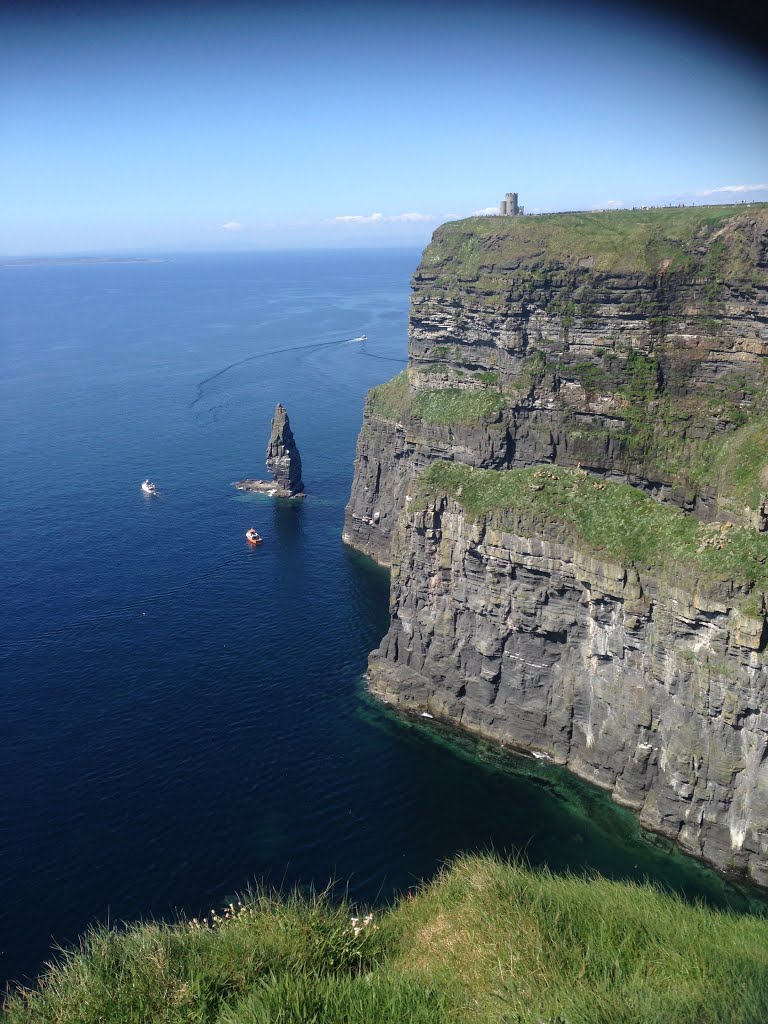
{"x": 627, "y": 348}
{"x": 534, "y": 632}
{"x": 631, "y": 343}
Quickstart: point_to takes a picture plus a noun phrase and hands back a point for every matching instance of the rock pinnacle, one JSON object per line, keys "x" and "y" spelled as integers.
{"x": 283, "y": 459}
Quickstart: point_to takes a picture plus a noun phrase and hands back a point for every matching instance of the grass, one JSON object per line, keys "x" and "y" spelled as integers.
{"x": 615, "y": 521}
{"x": 392, "y": 400}
{"x": 486, "y": 942}
{"x": 345, "y": 999}
{"x": 738, "y": 465}
{"x": 193, "y": 970}
{"x": 446, "y": 406}
{"x": 527, "y": 947}
{"x": 618, "y": 241}
{"x": 458, "y": 405}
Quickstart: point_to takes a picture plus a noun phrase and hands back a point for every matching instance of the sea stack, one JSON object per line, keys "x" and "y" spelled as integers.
{"x": 283, "y": 462}
{"x": 283, "y": 459}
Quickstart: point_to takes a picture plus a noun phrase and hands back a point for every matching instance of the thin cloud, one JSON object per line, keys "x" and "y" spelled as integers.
{"x": 610, "y": 204}
{"x": 379, "y": 218}
{"x": 412, "y": 217}
{"x": 485, "y": 212}
{"x": 232, "y": 225}
{"x": 733, "y": 188}
{"x": 356, "y": 218}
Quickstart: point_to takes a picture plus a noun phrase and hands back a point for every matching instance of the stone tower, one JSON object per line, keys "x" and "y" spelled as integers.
{"x": 508, "y": 207}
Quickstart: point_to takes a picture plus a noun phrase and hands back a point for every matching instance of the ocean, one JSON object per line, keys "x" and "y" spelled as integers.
{"x": 183, "y": 714}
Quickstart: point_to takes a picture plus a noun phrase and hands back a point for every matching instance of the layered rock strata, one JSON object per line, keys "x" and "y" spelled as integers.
{"x": 627, "y": 365}
{"x": 632, "y": 346}
{"x": 283, "y": 461}
{"x": 656, "y": 692}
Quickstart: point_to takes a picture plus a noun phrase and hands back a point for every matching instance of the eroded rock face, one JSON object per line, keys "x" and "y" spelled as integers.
{"x": 630, "y": 371}
{"x": 655, "y": 693}
{"x": 579, "y": 354}
{"x": 390, "y": 455}
{"x": 283, "y": 459}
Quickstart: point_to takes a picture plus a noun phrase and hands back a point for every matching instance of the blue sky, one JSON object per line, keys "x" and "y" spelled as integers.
{"x": 245, "y": 126}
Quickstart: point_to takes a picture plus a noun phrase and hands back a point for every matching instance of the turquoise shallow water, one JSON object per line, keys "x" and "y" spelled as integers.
{"x": 182, "y": 714}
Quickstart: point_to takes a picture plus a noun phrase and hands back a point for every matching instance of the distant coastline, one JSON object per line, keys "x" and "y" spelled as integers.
{"x": 54, "y": 261}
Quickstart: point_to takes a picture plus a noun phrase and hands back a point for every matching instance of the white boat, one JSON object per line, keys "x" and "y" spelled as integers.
{"x": 148, "y": 487}
{"x": 363, "y": 337}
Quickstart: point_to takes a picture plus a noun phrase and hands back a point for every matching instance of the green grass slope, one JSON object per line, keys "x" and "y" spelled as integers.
{"x": 616, "y": 521}
{"x": 446, "y": 406}
{"x": 486, "y": 942}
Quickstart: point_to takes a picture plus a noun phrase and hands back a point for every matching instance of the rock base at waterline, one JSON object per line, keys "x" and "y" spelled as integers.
{"x": 268, "y": 487}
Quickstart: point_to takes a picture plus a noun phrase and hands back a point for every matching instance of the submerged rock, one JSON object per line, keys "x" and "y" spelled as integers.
{"x": 283, "y": 461}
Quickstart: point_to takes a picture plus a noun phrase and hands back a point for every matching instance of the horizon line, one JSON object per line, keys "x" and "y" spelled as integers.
{"x": 11, "y": 258}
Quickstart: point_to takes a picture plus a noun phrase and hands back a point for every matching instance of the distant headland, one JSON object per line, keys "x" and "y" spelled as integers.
{"x": 61, "y": 261}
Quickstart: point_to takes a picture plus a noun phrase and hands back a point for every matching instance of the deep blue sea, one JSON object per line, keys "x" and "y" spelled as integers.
{"x": 181, "y": 714}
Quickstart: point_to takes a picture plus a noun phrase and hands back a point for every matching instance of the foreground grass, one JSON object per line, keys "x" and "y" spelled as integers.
{"x": 616, "y": 521}
{"x": 485, "y": 942}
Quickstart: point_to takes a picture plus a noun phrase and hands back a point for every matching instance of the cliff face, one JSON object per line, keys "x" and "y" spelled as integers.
{"x": 650, "y": 690}
{"x": 625, "y": 343}
{"x": 391, "y": 454}
{"x": 553, "y": 612}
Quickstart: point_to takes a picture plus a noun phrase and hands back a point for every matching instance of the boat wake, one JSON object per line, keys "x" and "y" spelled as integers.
{"x": 309, "y": 347}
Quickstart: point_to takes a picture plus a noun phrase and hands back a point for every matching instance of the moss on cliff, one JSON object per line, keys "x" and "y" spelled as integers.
{"x": 458, "y": 405}
{"x": 615, "y": 521}
{"x": 487, "y": 941}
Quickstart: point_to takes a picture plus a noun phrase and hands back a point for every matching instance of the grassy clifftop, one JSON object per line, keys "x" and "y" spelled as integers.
{"x": 485, "y": 942}
{"x": 708, "y": 241}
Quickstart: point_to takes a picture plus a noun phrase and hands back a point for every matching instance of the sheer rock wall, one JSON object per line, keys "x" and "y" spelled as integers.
{"x": 634, "y": 369}
{"x": 579, "y": 355}
{"x": 650, "y": 691}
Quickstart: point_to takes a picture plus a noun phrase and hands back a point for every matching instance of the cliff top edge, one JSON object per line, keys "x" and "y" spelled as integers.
{"x": 692, "y": 239}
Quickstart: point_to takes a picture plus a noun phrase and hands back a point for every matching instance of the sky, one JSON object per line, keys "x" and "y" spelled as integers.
{"x": 164, "y": 127}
